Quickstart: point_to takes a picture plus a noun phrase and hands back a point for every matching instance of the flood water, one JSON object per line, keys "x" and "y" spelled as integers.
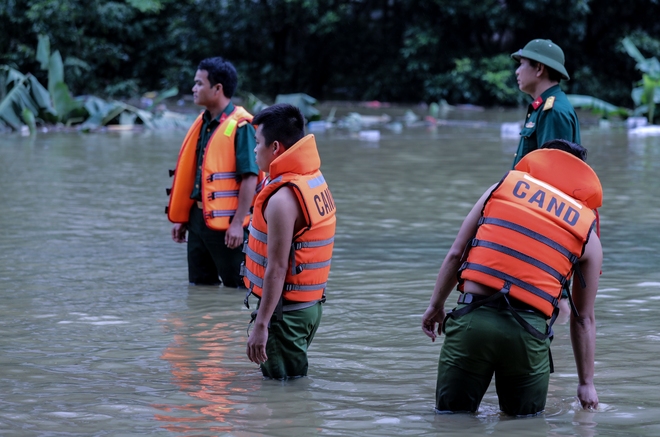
{"x": 100, "y": 333}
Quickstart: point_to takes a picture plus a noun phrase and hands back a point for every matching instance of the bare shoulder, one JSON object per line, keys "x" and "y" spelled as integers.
{"x": 593, "y": 249}
{"x": 283, "y": 198}
{"x": 283, "y": 205}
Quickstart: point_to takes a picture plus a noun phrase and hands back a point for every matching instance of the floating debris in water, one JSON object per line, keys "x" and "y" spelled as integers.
{"x": 370, "y": 135}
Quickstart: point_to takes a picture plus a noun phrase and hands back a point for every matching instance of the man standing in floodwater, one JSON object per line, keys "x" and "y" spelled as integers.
{"x": 290, "y": 245}
{"x": 215, "y": 180}
{"x": 524, "y": 239}
{"x": 550, "y": 116}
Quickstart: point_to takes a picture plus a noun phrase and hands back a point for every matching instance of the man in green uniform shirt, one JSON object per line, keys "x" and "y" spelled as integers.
{"x": 215, "y": 256}
{"x": 550, "y": 116}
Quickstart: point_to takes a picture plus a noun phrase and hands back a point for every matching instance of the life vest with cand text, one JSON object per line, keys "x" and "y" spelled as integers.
{"x": 533, "y": 229}
{"x": 311, "y": 248}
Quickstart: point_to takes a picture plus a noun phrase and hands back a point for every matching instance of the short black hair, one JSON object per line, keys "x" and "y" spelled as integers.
{"x": 553, "y": 74}
{"x": 573, "y": 148}
{"x": 281, "y": 122}
{"x": 222, "y": 72}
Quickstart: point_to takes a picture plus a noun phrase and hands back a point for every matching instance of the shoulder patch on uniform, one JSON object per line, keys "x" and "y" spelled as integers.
{"x": 549, "y": 103}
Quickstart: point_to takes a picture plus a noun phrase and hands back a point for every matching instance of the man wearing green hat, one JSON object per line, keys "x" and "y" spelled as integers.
{"x": 550, "y": 116}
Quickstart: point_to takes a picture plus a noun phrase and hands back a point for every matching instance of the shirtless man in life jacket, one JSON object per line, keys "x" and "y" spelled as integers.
{"x": 520, "y": 243}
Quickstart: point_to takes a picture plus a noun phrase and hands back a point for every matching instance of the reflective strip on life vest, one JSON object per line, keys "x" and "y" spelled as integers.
{"x": 521, "y": 256}
{"x": 258, "y": 235}
{"x": 254, "y": 256}
{"x": 219, "y": 176}
{"x": 298, "y": 268}
{"x": 318, "y": 265}
{"x": 317, "y": 243}
{"x": 260, "y": 186}
{"x": 230, "y": 127}
{"x": 514, "y": 281}
{"x": 221, "y": 213}
{"x": 313, "y": 183}
{"x": 218, "y": 194}
{"x": 254, "y": 279}
{"x": 312, "y": 287}
{"x": 531, "y": 234}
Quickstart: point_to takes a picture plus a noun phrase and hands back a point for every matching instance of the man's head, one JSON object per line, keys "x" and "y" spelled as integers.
{"x": 215, "y": 83}
{"x": 278, "y": 127}
{"x": 544, "y": 51}
{"x": 574, "y": 149}
{"x": 220, "y": 72}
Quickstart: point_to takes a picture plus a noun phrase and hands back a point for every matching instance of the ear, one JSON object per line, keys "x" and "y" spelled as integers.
{"x": 540, "y": 69}
{"x": 278, "y": 148}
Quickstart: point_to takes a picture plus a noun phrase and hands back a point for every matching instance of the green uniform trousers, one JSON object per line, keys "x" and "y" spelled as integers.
{"x": 209, "y": 258}
{"x": 288, "y": 341}
{"x": 489, "y": 341}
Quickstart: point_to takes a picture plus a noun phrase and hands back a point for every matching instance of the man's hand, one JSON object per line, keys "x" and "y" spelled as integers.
{"x": 587, "y": 396}
{"x": 234, "y": 235}
{"x": 432, "y": 320}
{"x": 179, "y": 233}
{"x": 256, "y": 346}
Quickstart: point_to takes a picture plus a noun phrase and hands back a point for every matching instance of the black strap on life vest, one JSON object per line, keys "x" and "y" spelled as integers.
{"x": 503, "y": 294}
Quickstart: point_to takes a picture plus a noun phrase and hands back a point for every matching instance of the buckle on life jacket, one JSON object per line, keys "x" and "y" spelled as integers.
{"x": 253, "y": 317}
{"x": 246, "y": 301}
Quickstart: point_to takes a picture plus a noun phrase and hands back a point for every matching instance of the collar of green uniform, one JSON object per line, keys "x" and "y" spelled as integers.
{"x": 227, "y": 111}
{"x": 553, "y": 90}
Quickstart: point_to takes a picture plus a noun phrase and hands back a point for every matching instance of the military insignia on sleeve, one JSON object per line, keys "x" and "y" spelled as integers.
{"x": 549, "y": 103}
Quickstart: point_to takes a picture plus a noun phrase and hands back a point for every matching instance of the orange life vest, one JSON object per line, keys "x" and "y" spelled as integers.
{"x": 311, "y": 248}
{"x": 220, "y": 185}
{"x": 534, "y": 227}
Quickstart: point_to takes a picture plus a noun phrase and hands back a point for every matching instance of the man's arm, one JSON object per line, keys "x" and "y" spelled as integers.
{"x": 583, "y": 327}
{"x": 283, "y": 215}
{"x": 446, "y": 280}
{"x": 234, "y": 235}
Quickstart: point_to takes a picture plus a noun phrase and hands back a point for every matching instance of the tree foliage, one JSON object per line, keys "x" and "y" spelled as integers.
{"x": 395, "y": 50}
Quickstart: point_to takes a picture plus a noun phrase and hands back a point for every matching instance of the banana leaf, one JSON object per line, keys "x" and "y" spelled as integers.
{"x": 597, "y": 105}
{"x": 102, "y": 112}
{"x": 304, "y": 102}
{"x": 172, "y": 120}
{"x": 252, "y": 103}
{"x": 632, "y": 50}
{"x": 8, "y": 112}
{"x": 55, "y": 72}
{"x": 63, "y": 102}
{"x": 30, "y": 121}
{"x": 43, "y": 51}
{"x": 165, "y": 94}
{"x": 17, "y": 99}
{"x": 42, "y": 98}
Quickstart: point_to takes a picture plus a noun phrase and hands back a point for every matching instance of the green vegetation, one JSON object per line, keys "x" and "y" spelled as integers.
{"x": 395, "y": 51}
{"x": 23, "y": 100}
{"x": 647, "y": 92}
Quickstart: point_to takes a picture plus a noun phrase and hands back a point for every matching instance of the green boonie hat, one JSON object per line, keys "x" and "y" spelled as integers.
{"x": 546, "y": 52}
